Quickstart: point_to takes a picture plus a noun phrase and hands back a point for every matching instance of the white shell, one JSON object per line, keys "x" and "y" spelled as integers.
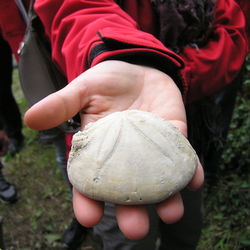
{"x": 130, "y": 157}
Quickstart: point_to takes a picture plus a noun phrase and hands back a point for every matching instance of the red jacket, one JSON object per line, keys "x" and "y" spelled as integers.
{"x": 84, "y": 33}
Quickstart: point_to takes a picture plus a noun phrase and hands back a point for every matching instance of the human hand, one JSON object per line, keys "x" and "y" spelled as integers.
{"x": 109, "y": 87}
{"x": 3, "y": 143}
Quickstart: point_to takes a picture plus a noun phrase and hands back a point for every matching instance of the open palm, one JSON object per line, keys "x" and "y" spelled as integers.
{"x": 109, "y": 87}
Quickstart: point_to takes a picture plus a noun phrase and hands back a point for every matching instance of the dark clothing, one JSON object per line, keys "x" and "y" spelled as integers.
{"x": 192, "y": 21}
{"x": 9, "y": 111}
{"x": 182, "y": 235}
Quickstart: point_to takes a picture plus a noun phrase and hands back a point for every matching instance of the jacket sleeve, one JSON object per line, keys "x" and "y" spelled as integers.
{"x": 84, "y": 33}
{"x": 213, "y": 66}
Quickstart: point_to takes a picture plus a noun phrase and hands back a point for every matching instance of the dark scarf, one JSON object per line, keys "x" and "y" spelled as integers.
{"x": 184, "y": 22}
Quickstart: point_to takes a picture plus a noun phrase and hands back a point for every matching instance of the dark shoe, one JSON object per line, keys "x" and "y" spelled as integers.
{"x": 74, "y": 235}
{"x": 16, "y": 144}
{"x": 7, "y": 191}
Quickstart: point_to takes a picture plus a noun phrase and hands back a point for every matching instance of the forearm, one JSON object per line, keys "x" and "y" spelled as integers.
{"x": 84, "y": 34}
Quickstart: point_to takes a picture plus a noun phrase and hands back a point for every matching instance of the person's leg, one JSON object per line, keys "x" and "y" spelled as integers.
{"x": 225, "y": 101}
{"x": 111, "y": 238}
{"x": 9, "y": 109}
{"x": 185, "y": 234}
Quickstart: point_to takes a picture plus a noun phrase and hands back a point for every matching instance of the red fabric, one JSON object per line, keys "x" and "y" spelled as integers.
{"x": 12, "y": 26}
{"x": 72, "y": 26}
{"x": 215, "y": 65}
{"x": 141, "y": 12}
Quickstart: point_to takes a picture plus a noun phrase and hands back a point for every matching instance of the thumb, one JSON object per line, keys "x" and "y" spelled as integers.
{"x": 57, "y": 107}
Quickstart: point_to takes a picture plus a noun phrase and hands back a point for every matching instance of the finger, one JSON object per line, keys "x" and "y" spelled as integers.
{"x": 133, "y": 221}
{"x": 197, "y": 179}
{"x": 171, "y": 210}
{"x": 57, "y": 107}
{"x": 87, "y": 211}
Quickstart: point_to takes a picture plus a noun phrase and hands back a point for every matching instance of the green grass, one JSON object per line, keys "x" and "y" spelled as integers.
{"x": 227, "y": 213}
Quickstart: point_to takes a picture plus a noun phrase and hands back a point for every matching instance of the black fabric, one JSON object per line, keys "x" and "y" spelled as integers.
{"x": 9, "y": 111}
{"x": 185, "y": 233}
{"x": 184, "y": 22}
{"x": 208, "y": 124}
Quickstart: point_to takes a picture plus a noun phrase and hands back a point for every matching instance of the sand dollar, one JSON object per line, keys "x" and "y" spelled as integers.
{"x": 130, "y": 157}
